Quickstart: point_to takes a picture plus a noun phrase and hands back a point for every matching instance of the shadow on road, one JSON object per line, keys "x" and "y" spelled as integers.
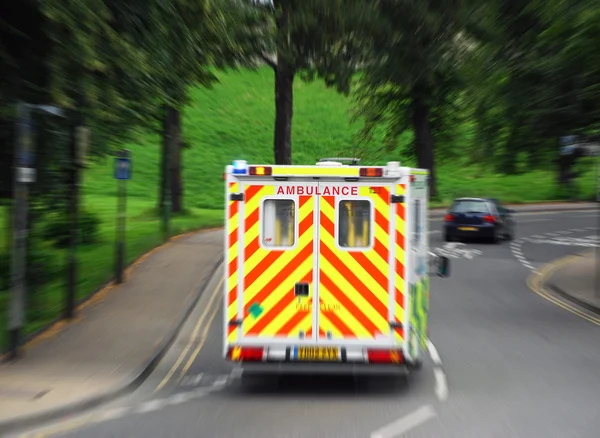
{"x": 310, "y": 386}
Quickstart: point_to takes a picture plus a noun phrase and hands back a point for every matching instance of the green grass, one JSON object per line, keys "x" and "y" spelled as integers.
{"x": 235, "y": 121}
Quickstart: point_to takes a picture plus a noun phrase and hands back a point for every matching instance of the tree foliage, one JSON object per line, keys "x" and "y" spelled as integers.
{"x": 411, "y": 80}
{"x": 308, "y": 39}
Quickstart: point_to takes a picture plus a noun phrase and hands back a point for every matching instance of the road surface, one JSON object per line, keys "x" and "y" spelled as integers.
{"x": 504, "y": 362}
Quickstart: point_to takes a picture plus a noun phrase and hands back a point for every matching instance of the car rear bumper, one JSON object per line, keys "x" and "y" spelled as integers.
{"x": 484, "y": 231}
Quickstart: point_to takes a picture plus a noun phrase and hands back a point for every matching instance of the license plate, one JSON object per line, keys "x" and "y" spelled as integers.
{"x": 467, "y": 228}
{"x": 317, "y": 353}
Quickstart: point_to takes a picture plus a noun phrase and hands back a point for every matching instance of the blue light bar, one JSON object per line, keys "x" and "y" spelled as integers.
{"x": 240, "y": 167}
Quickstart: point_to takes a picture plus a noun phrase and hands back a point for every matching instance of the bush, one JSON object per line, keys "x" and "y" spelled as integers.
{"x": 42, "y": 266}
{"x": 57, "y": 229}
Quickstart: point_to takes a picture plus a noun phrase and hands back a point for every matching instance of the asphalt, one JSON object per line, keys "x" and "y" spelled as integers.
{"x": 514, "y": 364}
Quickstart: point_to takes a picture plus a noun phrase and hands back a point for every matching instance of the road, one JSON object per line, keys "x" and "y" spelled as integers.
{"x": 513, "y": 364}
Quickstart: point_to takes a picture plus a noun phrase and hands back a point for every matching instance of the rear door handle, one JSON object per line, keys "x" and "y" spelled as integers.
{"x": 301, "y": 289}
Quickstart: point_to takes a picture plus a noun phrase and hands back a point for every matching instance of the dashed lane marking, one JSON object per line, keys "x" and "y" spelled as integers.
{"x": 406, "y": 423}
{"x": 555, "y": 237}
{"x": 120, "y": 412}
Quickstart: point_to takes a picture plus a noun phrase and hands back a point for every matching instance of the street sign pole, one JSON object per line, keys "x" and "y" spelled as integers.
{"x": 23, "y": 174}
{"x": 597, "y": 255}
{"x": 122, "y": 174}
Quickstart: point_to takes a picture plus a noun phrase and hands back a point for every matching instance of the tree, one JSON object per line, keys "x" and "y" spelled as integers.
{"x": 309, "y": 39}
{"x": 412, "y": 76}
{"x": 533, "y": 77}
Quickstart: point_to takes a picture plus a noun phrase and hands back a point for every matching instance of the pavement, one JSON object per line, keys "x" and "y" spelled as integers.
{"x": 578, "y": 279}
{"x": 504, "y": 361}
{"x": 117, "y": 339}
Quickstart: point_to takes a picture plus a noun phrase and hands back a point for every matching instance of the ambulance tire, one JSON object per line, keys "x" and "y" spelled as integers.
{"x": 416, "y": 365}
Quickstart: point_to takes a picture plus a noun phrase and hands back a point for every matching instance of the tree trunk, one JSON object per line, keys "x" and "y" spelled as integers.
{"x": 509, "y": 156}
{"x": 284, "y": 79}
{"x": 284, "y": 94}
{"x": 176, "y": 164}
{"x": 171, "y": 165}
{"x": 424, "y": 140}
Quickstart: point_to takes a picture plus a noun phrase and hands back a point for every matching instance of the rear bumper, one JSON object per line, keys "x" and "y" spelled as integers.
{"x": 292, "y": 368}
{"x": 485, "y": 231}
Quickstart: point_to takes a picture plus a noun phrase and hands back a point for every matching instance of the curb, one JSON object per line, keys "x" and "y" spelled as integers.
{"x": 564, "y": 294}
{"x": 122, "y": 389}
{"x": 557, "y": 208}
{"x": 588, "y": 306}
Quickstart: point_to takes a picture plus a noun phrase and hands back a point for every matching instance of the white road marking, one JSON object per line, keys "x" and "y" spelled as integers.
{"x": 554, "y": 238}
{"x": 435, "y": 356}
{"x": 181, "y": 398}
{"x": 406, "y": 423}
{"x": 441, "y": 386}
{"x": 112, "y": 414}
{"x": 452, "y": 250}
{"x": 152, "y": 405}
{"x": 221, "y": 380}
{"x": 527, "y": 221}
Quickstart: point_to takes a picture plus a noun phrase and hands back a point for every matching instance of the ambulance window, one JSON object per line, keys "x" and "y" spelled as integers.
{"x": 354, "y": 224}
{"x": 417, "y": 222}
{"x": 279, "y": 222}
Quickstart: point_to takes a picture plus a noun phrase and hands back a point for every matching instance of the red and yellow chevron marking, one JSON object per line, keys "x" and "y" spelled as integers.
{"x": 400, "y": 240}
{"x": 231, "y": 267}
{"x": 354, "y": 284}
{"x": 270, "y": 275}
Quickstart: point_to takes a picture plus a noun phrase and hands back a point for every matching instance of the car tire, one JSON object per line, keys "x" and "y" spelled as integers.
{"x": 447, "y": 237}
{"x": 494, "y": 238}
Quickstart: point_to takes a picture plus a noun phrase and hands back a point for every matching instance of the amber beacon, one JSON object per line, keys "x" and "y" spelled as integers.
{"x": 327, "y": 267}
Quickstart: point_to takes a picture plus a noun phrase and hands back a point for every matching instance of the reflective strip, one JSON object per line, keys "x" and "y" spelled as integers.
{"x": 232, "y": 260}
{"x": 400, "y": 240}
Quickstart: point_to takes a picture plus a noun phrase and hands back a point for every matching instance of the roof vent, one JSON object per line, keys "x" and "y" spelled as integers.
{"x": 351, "y": 161}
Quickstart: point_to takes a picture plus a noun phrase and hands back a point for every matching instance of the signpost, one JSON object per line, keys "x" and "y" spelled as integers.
{"x": 122, "y": 174}
{"x": 25, "y": 174}
{"x": 597, "y": 255}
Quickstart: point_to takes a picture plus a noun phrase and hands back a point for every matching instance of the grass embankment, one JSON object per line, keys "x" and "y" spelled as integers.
{"x": 235, "y": 121}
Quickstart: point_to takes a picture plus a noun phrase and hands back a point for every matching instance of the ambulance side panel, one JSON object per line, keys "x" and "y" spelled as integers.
{"x": 400, "y": 267}
{"x": 418, "y": 271}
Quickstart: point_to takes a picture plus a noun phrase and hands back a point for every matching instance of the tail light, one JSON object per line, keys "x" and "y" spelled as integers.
{"x": 489, "y": 219}
{"x": 260, "y": 170}
{"x": 371, "y": 171}
{"x": 449, "y": 218}
{"x": 245, "y": 354}
{"x": 385, "y": 356}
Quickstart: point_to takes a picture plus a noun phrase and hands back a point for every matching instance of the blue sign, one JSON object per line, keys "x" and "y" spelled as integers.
{"x": 568, "y": 140}
{"x": 122, "y": 168}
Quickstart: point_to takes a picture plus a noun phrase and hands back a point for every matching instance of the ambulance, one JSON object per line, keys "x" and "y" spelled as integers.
{"x": 327, "y": 267}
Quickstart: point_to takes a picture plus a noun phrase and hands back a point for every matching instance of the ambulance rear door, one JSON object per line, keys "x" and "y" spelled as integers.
{"x": 360, "y": 259}
{"x": 272, "y": 265}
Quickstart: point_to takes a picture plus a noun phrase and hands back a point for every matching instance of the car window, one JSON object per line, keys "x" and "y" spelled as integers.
{"x": 470, "y": 207}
